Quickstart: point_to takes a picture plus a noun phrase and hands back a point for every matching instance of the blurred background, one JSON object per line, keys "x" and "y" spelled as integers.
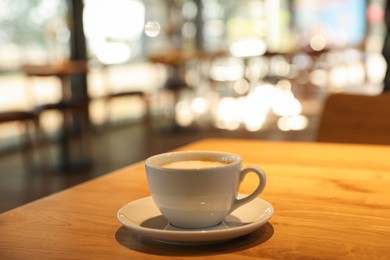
{"x": 160, "y": 74}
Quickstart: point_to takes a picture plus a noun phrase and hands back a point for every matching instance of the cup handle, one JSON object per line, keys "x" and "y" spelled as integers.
{"x": 260, "y": 187}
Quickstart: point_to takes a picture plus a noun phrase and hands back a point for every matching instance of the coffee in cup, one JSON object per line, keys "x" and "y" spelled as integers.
{"x": 197, "y": 189}
{"x": 193, "y": 164}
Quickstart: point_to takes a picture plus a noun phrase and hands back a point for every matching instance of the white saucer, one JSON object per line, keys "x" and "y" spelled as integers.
{"x": 144, "y": 218}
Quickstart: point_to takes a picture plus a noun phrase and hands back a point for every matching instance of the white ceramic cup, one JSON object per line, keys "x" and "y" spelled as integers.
{"x": 199, "y": 197}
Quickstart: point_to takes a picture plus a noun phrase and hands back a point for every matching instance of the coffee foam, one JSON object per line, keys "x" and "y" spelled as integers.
{"x": 194, "y": 164}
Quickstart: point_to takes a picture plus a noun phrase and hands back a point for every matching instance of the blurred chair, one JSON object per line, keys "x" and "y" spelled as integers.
{"x": 73, "y": 110}
{"x": 75, "y": 125}
{"x": 352, "y": 118}
{"x": 111, "y": 96}
{"x": 28, "y": 119}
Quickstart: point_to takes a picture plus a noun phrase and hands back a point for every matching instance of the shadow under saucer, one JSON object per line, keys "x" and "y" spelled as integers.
{"x": 139, "y": 243}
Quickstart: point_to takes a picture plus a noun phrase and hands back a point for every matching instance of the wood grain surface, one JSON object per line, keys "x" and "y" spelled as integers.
{"x": 331, "y": 201}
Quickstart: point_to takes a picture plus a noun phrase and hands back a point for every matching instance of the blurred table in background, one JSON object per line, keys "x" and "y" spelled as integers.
{"x": 176, "y": 61}
{"x": 61, "y": 70}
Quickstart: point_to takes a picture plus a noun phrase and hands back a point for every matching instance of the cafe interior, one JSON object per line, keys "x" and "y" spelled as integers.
{"x": 88, "y": 87}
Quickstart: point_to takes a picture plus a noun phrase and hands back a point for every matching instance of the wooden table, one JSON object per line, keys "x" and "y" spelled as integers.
{"x": 331, "y": 201}
{"x": 63, "y": 71}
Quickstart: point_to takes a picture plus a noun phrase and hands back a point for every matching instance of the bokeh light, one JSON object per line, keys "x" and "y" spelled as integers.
{"x": 318, "y": 42}
{"x": 152, "y": 28}
{"x": 188, "y": 30}
{"x": 227, "y": 69}
{"x": 248, "y": 48}
{"x": 286, "y": 104}
{"x": 375, "y": 67}
{"x": 189, "y": 10}
{"x": 199, "y": 105}
{"x": 296, "y": 122}
{"x": 228, "y": 115}
{"x": 113, "y": 52}
{"x": 183, "y": 114}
